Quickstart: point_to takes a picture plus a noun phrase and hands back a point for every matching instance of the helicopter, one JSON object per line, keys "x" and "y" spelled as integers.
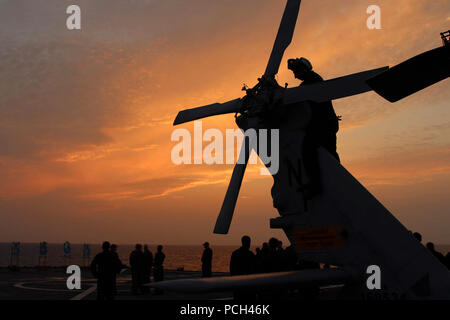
{"x": 344, "y": 226}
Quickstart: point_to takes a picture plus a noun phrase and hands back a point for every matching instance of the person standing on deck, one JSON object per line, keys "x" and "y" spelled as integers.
{"x": 207, "y": 261}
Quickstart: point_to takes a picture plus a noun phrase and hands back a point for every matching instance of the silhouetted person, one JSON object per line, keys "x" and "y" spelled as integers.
{"x": 280, "y": 245}
{"x": 137, "y": 269}
{"x": 437, "y": 254}
{"x": 158, "y": 269}
{"x": 274, "y": 260}
{"x": 113, "y": 250}
{"x": 148, "y": 264}
{"x": 321, "y": 130}
{"x": 265, "y": 249}
{"x": 207, "y": 261}
{"x": 258, "y": 260}
{"x": 121, "y": 265}
{"x": 243, "y": 259}
{"x": 418, "y": 236}
{"x": 283, "y": 257}
{"x": 264, "y": 257}
{"x": 243, "y": 262}
{"x": 104, "y": 267}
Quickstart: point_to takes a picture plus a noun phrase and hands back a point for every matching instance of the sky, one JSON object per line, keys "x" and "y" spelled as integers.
{"x": 86, "y": 115}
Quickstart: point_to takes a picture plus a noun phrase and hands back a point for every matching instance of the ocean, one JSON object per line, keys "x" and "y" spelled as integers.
{"x": 177, "y": 256}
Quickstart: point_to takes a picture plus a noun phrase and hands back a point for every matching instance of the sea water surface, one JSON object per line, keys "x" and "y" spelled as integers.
{"x": 177, "y": 256}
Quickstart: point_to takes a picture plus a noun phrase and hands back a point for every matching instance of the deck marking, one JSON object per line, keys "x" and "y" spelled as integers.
{"x": 84, "y": 293}
{"x": 90, "y": 290}
{"x": 21, "y": 286}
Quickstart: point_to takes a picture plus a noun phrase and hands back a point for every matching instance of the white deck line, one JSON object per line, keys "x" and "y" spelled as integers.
{"x": 85, "y": 293}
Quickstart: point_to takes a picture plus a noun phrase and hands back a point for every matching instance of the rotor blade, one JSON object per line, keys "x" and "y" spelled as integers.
{"x": 208, "y": 111}
{"x": 287, "y": 279}
{"x": 413, "y": 74}
{"x": 223, "y": 221}
{"x": 332, "y": 89}
{"x": 284, "y": 36}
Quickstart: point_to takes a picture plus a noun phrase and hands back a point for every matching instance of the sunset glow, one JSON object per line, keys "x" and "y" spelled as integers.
{"x": 86, "y": 116}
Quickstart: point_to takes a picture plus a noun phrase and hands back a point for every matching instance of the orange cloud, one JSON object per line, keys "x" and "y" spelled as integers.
{"x": 85, "y": 118}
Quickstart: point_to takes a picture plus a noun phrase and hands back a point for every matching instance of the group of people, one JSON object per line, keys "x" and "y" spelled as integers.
{"x": 107, "y": 264}
{"x": 445, "y": 260}
{"x": 271, "y": 257}
{"x": 142, "y": 264}
{"x": 105, "y": 267}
